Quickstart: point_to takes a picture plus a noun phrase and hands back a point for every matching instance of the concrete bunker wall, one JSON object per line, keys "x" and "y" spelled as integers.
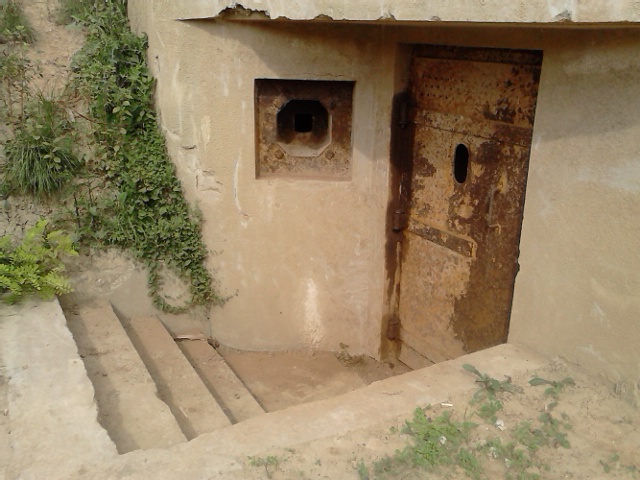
{"x": 307, "y": 256}
{"x": 577, "y": 294}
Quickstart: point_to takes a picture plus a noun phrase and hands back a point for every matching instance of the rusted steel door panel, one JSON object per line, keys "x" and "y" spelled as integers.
{"x": 447, "y": 239}
{"x": 484, "y": 129}
{"x": 460, "y": 247}
{"x": 428, "y": 297}
{"x": 483, "y": 91}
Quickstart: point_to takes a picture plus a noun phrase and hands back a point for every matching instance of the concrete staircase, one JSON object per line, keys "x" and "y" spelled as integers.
{"x": 49, "y": 427}
{"x": 152, "y": 393}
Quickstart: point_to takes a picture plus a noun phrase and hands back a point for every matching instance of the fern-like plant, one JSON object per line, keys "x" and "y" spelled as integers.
{"x": 35, "y": 265}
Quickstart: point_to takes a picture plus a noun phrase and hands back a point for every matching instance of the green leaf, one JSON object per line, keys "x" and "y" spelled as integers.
{"x": 472, "y": 369}
{"x": 538, "y": 381}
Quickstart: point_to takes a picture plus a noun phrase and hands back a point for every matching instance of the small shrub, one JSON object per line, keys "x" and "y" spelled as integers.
{"x": 40, "y": 157}
{"x": 70, "y": 11}
{"x": 437, "y": 442}
{"x": 34, "y": 266}
{"x": 15, "y": 71}
{"x": 14, "y": 27}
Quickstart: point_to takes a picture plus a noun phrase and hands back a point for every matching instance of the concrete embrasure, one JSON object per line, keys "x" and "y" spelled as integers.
{"x": 222, "y": 382}
{"x": 67, "y": 442}
{"x": 137, "y": 418}
{"x": 179, "y": 385}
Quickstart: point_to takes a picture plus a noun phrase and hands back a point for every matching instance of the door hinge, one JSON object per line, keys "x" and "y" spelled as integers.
{"x": 399, "y": 221}
{"x": 403, "y": 114}
{"x": 393, "y": 328}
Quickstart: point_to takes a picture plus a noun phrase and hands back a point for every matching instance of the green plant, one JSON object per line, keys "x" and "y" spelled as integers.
{"x": 442, "y": 443}
{"x": 526, "y": 435}
{"x": 551, "y": 429}
{"x": 517, "y": 461}
{"x": 490, "y": 387}
{"x": 16, "y": 70}
{"x": 270, "y": 463}
{"x": 35, "y": 265}
{"x": 609, "y": 464}
{"x": 437, "y": 442}
{"x": 14, "y": 27}
{"x": 363, "y": 471}
{"x": 488, "y": 410}
{"x": 70, "y": 11}
{"x": 40, "y": 156}
{"x": 486, "y": 395}
{"x": 142, "y": 208}
{"x": 554, "y": 388}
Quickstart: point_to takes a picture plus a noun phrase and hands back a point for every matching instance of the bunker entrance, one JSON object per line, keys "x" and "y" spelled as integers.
{"x": 470, "y": 117}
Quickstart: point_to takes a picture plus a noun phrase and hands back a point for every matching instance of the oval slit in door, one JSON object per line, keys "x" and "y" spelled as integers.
{"x": 461, "y": 163}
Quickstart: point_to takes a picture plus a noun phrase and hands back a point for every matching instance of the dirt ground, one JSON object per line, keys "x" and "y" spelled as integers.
{"x": 602, "y": 429}
{"x": 603, "y": 432}
{"x": 282, "y": 379}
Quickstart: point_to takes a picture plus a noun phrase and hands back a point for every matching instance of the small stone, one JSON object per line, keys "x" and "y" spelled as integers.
{"x": 620, "y": 388}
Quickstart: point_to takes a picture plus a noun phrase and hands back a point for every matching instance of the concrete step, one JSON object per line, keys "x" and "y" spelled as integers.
{"x": 179, "y": 385}
{"x": 413, "y": 359}
{"x": 54, "y": 433}
{"x": 127, "y": 397}
{"x": 228, "y": 390}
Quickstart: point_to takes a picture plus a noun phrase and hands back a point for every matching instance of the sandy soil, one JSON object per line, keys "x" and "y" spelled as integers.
{"x": 51, "y": 56}
{"x": 282, "y": 379}
{"x": 602, "y": 429}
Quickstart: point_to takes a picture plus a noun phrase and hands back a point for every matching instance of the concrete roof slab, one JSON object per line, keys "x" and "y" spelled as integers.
{"x": 480, "y": 11}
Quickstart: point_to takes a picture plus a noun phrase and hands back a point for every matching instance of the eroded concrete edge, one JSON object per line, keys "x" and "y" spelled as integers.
{"x": 54, "y": 431}
{"x": 551, "y": 12}
{"x": 224, "y": 451}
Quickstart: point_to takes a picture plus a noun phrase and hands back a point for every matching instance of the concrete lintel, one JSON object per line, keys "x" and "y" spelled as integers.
{"x": 401, "y": 11}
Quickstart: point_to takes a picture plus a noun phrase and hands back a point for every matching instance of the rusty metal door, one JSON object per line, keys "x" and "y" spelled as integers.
{"x": 472, "y": 113}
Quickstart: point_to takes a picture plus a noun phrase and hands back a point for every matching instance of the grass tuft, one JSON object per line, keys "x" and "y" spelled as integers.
{"x": 40, "y": 157}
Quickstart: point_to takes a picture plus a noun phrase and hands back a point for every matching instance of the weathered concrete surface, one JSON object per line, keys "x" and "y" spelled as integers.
{"x": 68, "y": 443}
{"x": 298, "y": 377}
{"x": 578, "y": 290}
{"x": 433, "y": 11}
{"x": 307, "y": 257}
{"x": 228, "y": 390}
{"x": 179, "y": 385}
{"x": 136, "y": 417}
{"x": 54, "y": 432}
{"x": 221, "y": 451}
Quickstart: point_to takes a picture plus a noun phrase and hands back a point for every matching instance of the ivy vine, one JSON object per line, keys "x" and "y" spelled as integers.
{"x": 141, "y": 206}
